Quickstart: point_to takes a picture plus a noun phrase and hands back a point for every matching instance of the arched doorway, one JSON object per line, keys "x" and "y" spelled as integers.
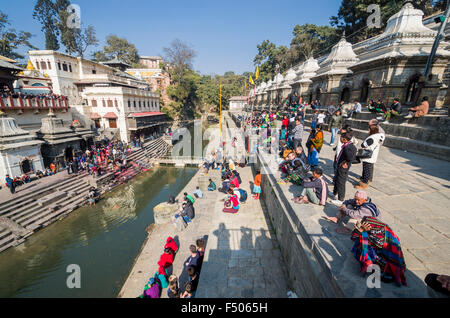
{"x": 26, "y": 166}
{"x": 68, "y": 154}
{"x": 364, "y": 91}
{"x": 411, "y": 89}
{"x": 345, "y": 95}
{"x": 318, "y": 93}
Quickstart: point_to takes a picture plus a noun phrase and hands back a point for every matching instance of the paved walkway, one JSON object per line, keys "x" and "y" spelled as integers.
{"x": 243, "y": 258}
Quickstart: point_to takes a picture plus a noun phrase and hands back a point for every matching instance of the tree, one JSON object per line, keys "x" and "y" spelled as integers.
{"x": 11, "y": 40}
{"x": 310, "y": 39}
{"x": 180, "y": 55}
{"x": 120, "y": 48}
{"x": 352, "y": 16}
{"x": 45, "y": 12}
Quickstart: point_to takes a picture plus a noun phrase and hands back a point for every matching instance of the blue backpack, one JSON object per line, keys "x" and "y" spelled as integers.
{"x": 243, "y": 195}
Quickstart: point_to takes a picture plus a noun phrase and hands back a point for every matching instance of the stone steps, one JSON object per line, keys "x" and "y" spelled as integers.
{"x": 8, "y": 240}
{"x": 51, "y": 215}
{"x": 31, "y": 214}
{"x": 21, "y": 209}
{"x": 425, "y": 148}
{"x": 31, "y": 196}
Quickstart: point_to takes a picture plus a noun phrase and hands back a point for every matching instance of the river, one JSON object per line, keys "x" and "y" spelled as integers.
{"x": 103, "y": 240}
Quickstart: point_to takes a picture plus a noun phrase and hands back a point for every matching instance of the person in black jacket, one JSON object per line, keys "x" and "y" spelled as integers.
{"x": 343, "y": 162}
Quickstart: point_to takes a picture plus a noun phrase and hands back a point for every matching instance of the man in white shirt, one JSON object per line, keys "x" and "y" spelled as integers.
{"x": 356, "y": 109}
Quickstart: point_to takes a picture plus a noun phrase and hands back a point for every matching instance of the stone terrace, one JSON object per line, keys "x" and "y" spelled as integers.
{"x": 413, "y": 194}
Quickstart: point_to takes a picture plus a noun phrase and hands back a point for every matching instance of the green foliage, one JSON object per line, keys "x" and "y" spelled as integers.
{"x": 352, "y": 16}
{"x": 11, "y": 40}
{"x": 120, "y": 48}
{"x": 45, "y": 12}
{"x": 310, "y": 39}
{"x": 314, "y": 40}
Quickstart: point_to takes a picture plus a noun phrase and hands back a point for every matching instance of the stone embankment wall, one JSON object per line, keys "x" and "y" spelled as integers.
{"x": 309, "y": 274}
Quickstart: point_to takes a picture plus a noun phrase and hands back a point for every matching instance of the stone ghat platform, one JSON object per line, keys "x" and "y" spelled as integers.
{"x": 45, "y": 201}
{"x": 428, "y": 135}
{"x": 412, "y": 192}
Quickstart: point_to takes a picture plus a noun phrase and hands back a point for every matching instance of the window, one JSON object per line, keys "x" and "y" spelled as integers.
{"x": 134, "y": 103}
{"x": 43, "y": 65}
{"x": 139, "y": 104}
{"x": 49, "y": 65}
{"x": 94, "y": 103}
{"x": 65, "y": 67}
{"x": 59, "y": 66}
{"x": 115, "y": 103}
{"x": 94, "y": 72}
{"x": 129, "y": 104}
{"x": 70, "y": 68}
{"x": 37, "y": 65}
{"x": 103, "y": 103}
{"x": 110, "y": 104}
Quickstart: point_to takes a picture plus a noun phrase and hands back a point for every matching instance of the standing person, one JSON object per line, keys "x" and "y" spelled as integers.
{"x": 257, "y": 185}
{"x": 372, "y": 143}
{"x": 314, "y": 119}
{"x": 298, "y": 133}
{"x": 334, "y": 126}
{"x": 321, "y": 118}
{"x": 343, "y": 163}
{"x": 315, "y": 145}
{"x": 10, "y": 184}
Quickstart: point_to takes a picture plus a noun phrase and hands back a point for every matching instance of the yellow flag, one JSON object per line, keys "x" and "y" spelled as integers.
{"x": 251, "y": 80}
{"x": 257, "y": 73}
{"x": 245, "y": 84}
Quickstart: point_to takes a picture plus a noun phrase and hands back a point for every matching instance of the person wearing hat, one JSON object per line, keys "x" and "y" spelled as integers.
{"x": 356, "y": 209}
{"x": 10, "y": 184}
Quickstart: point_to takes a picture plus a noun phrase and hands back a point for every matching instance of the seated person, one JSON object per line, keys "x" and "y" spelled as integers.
{"x": 232, "y": 205}
{"x": 376, "y": 243}
{"x": 173, "y": 291}
{"x": 395, "y": 110}
{"x": 187, "y": 212}
{"x": 234, "y": 180}
{"x": 39, "y": 174}
{"x": 165, "y": 261}
{"x": 171, "y": 199}
{"x": 198, "y": 193}
{"x": 171, "y": 244}
{"x": 151, "y": 289}
{"x": 194, "y": 258}
{"x": 419, "y": 111}
{"x": 193, "y": 278}
{"x": 225, "y": 186}
{"x": 357, "y": 208}
{"x": 211, "y": 186}
{"x": 314, "y": 190}
{"x": 296, "y": 171}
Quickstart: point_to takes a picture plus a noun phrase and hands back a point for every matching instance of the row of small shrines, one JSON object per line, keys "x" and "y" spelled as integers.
{"x": 390, "y": 65}
{"x": 25, "y": 152}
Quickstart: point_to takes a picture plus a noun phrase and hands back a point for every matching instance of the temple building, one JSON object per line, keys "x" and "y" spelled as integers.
{"x": 383, "y": 67}
{"x": 104, "y": 95}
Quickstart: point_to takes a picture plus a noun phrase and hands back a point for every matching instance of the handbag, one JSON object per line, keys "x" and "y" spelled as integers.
{"x": 364, "y": 154}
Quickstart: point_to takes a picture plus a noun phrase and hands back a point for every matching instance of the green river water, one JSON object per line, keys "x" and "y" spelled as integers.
{"x": 103, "y": 240}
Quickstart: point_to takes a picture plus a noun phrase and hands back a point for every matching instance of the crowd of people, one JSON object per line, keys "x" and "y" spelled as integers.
{"x": 5, "y": 92}
{"x": 374, "y": 241}
{"x": 164, "y": 278}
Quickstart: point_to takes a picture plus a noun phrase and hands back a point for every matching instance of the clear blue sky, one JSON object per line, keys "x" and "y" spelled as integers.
{"x": 224, "y": 33}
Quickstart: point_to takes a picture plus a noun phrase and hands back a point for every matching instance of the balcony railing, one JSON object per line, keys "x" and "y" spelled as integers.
{"x": 33, "y": 103}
